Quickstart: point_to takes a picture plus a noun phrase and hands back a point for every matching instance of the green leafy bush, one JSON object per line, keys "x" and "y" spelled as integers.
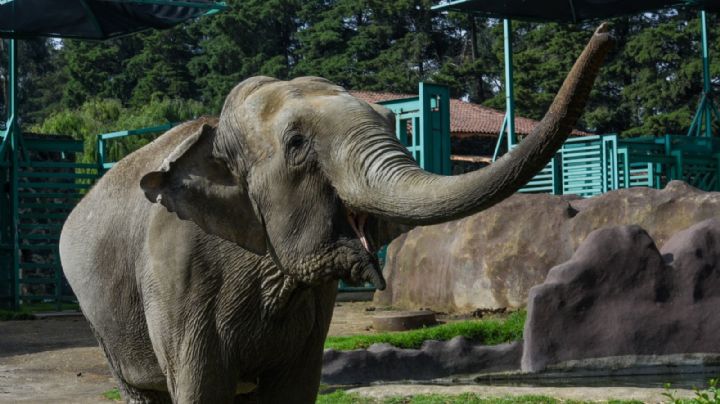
{"x": 711, "y": 395}
{"x": 109, "y": 115}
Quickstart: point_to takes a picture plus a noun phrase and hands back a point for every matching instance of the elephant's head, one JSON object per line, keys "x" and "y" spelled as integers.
{"x": 305, "y": 172}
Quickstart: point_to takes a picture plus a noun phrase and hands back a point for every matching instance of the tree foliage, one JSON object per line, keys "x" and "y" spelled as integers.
{"x": 649, "y": 85}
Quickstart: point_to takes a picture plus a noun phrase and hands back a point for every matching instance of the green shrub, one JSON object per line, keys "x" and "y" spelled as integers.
{"x": 711, "y": 395}
{"x": 109, "y": 115}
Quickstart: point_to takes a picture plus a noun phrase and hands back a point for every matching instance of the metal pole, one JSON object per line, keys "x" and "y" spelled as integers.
{"x": 706, "y": 74}
{"x": 12, "y": 77}
{"x": 14, "y": 133}
{"x": 508, "y": 127}
{"x": 509, "y": 93}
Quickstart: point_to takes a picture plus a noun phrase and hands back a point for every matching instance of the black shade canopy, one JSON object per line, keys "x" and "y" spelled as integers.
{"x": 94, "y": 19}
{"x": 571, "y": 11}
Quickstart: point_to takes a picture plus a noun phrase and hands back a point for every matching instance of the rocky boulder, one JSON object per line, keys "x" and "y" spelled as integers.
{"x": 618, "y": 295}
{"x": 492, "y": 259}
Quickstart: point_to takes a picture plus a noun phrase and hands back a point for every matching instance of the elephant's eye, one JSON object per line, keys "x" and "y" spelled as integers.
{"x": 296, "y": 141}
{"x": 296, "y": 150}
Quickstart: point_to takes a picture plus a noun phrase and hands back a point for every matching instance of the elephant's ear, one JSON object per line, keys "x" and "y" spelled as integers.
{"x": 199, "y": 187}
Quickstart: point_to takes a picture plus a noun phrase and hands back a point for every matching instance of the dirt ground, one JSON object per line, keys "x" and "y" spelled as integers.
{"x": 52, "y": 360}
{"x": 56, "y": 360}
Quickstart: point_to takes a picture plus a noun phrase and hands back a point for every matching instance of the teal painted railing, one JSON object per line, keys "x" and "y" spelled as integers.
{"x": 103, "y": 141}
{"x": 42, "y": 194}
{"x": 592, "y": 165}
{"x": 422, "y": 124}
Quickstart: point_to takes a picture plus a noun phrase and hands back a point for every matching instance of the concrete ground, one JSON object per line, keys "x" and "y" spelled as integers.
{"x": 646, "y": 395}
{"x": 56, "y": 360}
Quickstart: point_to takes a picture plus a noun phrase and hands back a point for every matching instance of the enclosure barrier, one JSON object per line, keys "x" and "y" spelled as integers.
{"x": 592, "y": 165}
{"x": 108, "y": 157}
{"x": 44, "y": 185}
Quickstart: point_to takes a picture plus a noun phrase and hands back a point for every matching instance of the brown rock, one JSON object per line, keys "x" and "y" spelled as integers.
{"x": 492, "y": 259}
{"x": 619, "y": 295}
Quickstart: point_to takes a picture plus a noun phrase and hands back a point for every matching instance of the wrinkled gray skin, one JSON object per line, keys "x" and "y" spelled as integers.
{"x": 207, "y": 261}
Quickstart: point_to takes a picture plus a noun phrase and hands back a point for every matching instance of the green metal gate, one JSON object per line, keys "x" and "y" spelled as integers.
{"x": 43, "y": 183}
{"x": 592, "y": 165}
{"x": 422, "y": 124}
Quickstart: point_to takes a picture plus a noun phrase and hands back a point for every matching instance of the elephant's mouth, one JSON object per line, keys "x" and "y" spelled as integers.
{"x": 370, "y": 273}
{"x": 357, "y": 221}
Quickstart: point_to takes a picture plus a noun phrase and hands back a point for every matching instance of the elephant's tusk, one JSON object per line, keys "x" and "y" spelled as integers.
{"x": 357, "y": 222}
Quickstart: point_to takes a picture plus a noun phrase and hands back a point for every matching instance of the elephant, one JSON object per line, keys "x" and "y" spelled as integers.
{"x": 207, "y": 261}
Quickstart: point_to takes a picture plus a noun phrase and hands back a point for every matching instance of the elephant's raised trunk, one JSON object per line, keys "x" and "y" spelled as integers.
{"x": 386, "y": 182}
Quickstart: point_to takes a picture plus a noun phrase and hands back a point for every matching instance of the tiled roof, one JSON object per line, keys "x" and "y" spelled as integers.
{"x": 466, "y": 118}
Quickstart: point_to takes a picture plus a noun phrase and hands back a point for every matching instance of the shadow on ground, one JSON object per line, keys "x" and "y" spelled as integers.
{"x": 31, "y": 336}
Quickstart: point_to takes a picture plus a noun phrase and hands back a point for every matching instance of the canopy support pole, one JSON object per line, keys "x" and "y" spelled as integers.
{"x": 707, "y": 113}
{"x": 508, "y": 126}
{"x": 9, "y": 156}
{"x": 14, "y": 134}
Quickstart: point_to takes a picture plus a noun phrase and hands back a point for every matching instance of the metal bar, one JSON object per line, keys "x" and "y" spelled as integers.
{"x": 14, "y": 134}
{"x": 69, "y": 175}
{"x": 509, "y": 87}
{"x": 705, "y": 53}
{"x": 501, "y": 135}
{"x": 12, "y": 79}
{"x": 133, "y": 132}
{"x": 53, "y": 185}
{"x": 101, "y": 153}
{"x": 706, "y": 73}
{"x": 508, "y": 126}
{"x": 53, "y": 164}
{"x": 9, "y": 123}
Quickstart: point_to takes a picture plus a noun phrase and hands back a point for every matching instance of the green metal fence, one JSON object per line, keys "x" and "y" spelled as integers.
{"x": 44, "y": 183}
{"x": 107, "y": 156}
{"x": 422, "y": 124}
{"x": 592, "y": 165}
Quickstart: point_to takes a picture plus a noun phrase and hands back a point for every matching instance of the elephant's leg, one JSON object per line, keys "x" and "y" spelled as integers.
{"x": 129, "y": 393}
{"x": 298, "y": 383}
{"x": 201, "y": 378}
{"x": 133, "y": 395}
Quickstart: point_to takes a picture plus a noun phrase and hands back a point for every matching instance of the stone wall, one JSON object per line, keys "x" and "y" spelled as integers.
{"x": 493, "y": 258}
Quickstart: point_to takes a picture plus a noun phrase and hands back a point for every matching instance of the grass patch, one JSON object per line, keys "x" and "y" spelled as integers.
{"x": 341, "y": 397}
{"x": 488, "y": 332}
{"x": 113, "y": 394}
{"x": 9, "y": 315}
